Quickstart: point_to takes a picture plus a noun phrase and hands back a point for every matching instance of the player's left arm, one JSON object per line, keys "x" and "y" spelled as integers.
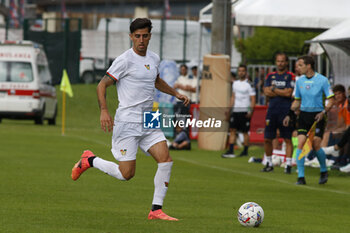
{"x": 286, "y": 92}
{"x": 252, "y": 106}
{"x": 252, "y": 95}
{"x": 161, "y": 85}
{"x": 329, "y": 101}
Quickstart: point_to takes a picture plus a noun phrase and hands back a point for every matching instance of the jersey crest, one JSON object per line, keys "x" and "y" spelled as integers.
{"x": 123, "y": 151}
{"x": 147, "y": 67}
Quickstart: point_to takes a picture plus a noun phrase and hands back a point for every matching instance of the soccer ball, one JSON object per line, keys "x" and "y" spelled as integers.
{"x": 250, "y": 214}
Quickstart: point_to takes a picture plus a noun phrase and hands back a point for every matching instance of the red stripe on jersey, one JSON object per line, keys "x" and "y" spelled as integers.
{"x": 115, "y": 79}
{"x": 274, "y": 72}
{"x": 292, "y": 74}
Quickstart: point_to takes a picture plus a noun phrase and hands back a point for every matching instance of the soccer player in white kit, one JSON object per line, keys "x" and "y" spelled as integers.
{"x": 136, "y": 76}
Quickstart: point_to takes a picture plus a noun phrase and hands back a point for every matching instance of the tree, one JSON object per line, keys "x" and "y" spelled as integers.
{"x": 266, "y": 41}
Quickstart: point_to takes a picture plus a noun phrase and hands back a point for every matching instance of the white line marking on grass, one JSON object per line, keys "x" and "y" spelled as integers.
{"x": 226, "y": 169}
{"x": 257, "y": 176}
{"x": 89, "y": 140}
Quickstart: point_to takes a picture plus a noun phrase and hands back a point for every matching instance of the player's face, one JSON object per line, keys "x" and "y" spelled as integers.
{"x": 183, "y": 70}
{"x": 140, "y": 39}
{"x": 297, "y": 71}
{"x": 281, "y": 63}
{"x": 242, "y": 73}
{"x": 302, "y": 67}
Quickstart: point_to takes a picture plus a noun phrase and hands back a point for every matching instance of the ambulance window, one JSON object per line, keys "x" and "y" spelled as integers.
{"x": 3, "y": 71}
{"x": 44, "y": 74}
{"x": 15, "y": 72}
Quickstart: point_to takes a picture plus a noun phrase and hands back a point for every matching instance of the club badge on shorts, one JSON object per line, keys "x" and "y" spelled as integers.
{"x": 123, "y": 151}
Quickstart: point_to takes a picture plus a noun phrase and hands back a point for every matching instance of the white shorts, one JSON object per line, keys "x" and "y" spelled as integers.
{"x": 127, "y": 137}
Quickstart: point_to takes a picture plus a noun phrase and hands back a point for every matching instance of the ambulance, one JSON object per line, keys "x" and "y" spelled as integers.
{"x": 26, "y": 90}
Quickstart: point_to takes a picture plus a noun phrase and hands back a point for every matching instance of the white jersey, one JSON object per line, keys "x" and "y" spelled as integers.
{"x": 242, "y": 90}
{"x": 194, "y": 84}
{"x": 135, "y": 77}
{"x": 184, "y": 80}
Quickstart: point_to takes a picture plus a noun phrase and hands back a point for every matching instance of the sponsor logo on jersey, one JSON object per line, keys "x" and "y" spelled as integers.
{"x": 279, "y": 83}
{"x": 147, "y": 67}
{"x": 123, "y": 151}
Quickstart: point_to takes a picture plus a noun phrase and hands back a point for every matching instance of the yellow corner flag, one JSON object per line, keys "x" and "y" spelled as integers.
{"x": 308, "y": 144}
{"x": 65, "y": 87}
{"x": 65, "y": 84}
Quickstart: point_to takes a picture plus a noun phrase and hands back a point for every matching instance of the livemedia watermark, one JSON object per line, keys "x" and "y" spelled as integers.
{"x": 201, "y": 119}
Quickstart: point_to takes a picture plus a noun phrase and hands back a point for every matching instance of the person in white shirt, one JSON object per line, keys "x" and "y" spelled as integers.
{"x": 242, "y": 103}
{"x": 194, "y": 79}
{"x": 184, "y": 84}
{"x": 135, "y": 74}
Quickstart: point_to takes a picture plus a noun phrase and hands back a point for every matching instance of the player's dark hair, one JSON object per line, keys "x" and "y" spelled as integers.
{"x": 183, "y": 65}
{"x": 339, "y": 88}
{"x": 140, "y": 23}
{"x": 308, "y": 60}
{"x": 243, "y": 66}
{"x": 282, "y": 54}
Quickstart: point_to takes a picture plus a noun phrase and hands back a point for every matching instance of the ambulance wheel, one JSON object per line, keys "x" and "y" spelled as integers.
{"x": 39, "y": 120}
{"x": 88, "y": 77}
{"x": 52, "y": 121}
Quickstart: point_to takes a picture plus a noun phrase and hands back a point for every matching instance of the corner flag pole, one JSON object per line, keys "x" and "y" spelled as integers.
{"x": 63, "y": 111}
{"x": 65, "y": 88}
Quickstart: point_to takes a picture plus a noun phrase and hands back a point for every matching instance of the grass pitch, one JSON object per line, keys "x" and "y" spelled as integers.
{"x": 205, "y": 191}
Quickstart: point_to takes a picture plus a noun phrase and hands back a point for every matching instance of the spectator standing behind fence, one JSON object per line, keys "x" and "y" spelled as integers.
{"x": 242, "y": 103}
{"x": 259, "y": 85}
{"x": 343, "y": 124}
{"x": 184, "y": 84}
{"x": 309, "y": 91}
{"x": 279, "y": 88}
{"x": 194, "y": 82}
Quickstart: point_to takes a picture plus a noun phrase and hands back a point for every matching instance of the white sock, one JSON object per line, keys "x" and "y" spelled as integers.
{"x": 161, "y": 181}
{"x": 289, "y": 161}
{"x": 108, "y": 167}
{"x": 269, "y": 160}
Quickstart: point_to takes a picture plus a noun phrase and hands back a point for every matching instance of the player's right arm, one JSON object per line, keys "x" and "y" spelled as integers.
{"x": 106, "y": 120}
{"x": 293, "y": 108}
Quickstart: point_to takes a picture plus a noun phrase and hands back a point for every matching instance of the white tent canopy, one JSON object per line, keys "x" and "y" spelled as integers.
{"x": 322, "y": 14}
{"x": 337, "y": 33}
{"x": 336, "y": 43}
